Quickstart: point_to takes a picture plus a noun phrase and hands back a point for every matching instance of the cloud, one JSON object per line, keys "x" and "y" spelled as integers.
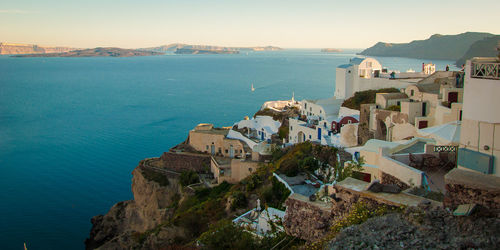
{"x": 16, "y": 11}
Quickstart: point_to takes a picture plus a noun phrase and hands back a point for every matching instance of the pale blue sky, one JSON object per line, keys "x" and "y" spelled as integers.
{"x": 288, "y": 23}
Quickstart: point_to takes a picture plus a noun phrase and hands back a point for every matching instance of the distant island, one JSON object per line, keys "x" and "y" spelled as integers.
{"x": 96, "y": 52}
{"x": 16, "y": 49}
{"x": 175, "y": 46}
{"x": 330, "y": 50}
{"x": 439, "y": 47}
{"x": 204, "y": 51}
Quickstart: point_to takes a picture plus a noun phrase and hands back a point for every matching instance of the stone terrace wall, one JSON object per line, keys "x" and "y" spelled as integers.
{"x": 307, "y": 220}
{"x": 465, "y": 187}
{"x": 311, "y": 221}
{"x": 179, "y": 162}
{"x": 389, "y": 179}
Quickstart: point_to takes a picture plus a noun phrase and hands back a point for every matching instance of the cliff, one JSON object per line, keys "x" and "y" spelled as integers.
{"x": 205, "y": 51}
{"x": 175, "y": 46}
{"x": 96, "y": 52}
{"x": 482, "y": 48}
{"x": 441, "y": 47}
{"x": 150, "y": 207}
{"x": 16, "y": 49}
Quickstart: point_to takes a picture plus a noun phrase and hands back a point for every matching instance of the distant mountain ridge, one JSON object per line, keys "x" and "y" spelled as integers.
{"x": 16, "y": 49}
{"x": 175, "y": 46}
{"x": 482, "y": 48}
{"x": 96, "y": 52}
{"x": 439, "y": 47}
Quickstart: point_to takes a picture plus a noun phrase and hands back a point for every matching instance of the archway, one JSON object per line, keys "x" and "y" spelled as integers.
{"x": 301, "y": 137}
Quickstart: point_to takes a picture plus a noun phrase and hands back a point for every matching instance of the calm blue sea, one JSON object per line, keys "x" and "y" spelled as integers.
{"x": 73, "y": 129}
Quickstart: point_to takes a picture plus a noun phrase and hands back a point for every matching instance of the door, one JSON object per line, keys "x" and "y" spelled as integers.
{"x": 424, "y": 109}
{"x": 262, "y": 135}
{"x": 319, "y": 133}
{"x": 231, "y": 151}
{"x": 212, "y": 149}
{"x": 422, "y": 124}
{"x": 452, "y": 97}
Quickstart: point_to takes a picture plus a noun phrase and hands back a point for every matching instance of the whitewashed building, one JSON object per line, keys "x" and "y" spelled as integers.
{"x": 367, "y": 73}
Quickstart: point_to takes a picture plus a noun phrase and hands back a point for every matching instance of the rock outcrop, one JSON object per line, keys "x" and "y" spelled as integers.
{"x": 122, "y": 226}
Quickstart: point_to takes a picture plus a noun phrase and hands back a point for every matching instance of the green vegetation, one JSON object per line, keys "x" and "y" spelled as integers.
{"x": 152, "y": 175}
{"x": 239, "y": 200}
{"x": 349, "y": 170}
{"x": 304, "y": 157}
{"x": 283, "y": 132}
{"x": 225, "y": 235}
{"x": 188, "y": 177}
{"x": 365, "y": 97}
{"x": 394, "y": 108}
{"x": 276, "y": 194}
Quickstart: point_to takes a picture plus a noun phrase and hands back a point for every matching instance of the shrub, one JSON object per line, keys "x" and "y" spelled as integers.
{"x": 225, "y": 235}
{"x": 239, "y": 200}
{"x": 188, "y": 177}
{"x": 152, "y": 175}
{"x": 283, "y": 132}
{"x": 394, "y": 108}
{"x": 365, "y": 97}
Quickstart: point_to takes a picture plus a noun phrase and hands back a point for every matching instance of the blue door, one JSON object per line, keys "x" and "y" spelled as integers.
{"x": 319, "y": 133}
{"x": 262, "y": 136}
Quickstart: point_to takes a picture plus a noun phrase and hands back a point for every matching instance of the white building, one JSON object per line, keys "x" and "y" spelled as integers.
{"x": 480, "y": 132}
{"x": 260, "y": 127}
{"x": 320, "y": 115}
{"x": 367, "y": 73}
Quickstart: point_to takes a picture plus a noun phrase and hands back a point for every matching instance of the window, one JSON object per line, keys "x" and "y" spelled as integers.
{"x": 460, "y": 118}
{"x": 310, "y": 109}
{"x": 349, "y": 121}
{"x": 305, "y": 105}
{"x": 310, "y": 137}
{"x": 412, "y": 92}
{"x": 226, "y": 151}
{"x": 250, "y": 170}
{"x": 207, "y": 147}
{"x": 241, "y": 151}
{"x": 291, "y": 127}
{"x": 320, "y": 111}
{"x": 399, "y": 103}
{"x": 220, "y": 151}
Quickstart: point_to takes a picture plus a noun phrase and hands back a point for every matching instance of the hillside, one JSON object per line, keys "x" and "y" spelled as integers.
{"x": 17, "y": 49}
{"x": 96, "y": 52}
{"x": 175, "y": 46}
{"x": 482, "y": 48}
{"x": 442, "y": 47}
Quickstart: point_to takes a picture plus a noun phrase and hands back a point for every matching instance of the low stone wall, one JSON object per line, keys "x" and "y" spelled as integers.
{"x": 389, "y": 179}
{"x": 179, "y": 162}
{"x": 305, "y": 219}
{"x": 465, "y": 187}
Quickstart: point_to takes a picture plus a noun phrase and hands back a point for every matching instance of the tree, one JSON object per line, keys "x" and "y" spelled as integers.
{"x": 188, "y": 177}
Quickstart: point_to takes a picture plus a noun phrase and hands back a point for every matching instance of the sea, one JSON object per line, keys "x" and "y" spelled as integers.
{"x": 73, "y": 129}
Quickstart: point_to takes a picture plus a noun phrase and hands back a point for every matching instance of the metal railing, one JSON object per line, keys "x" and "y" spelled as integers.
{"x": 486, "y": 70}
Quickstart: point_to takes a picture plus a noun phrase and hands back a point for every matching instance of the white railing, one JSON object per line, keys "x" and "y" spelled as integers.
{"x": 485, "y": 70}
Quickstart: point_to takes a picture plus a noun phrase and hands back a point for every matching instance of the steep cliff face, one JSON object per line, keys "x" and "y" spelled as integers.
{"x": 16, "y": 49}
{"x": 126, "y": 220}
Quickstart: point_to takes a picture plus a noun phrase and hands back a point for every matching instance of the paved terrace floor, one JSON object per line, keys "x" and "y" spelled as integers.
{"x": 395, "y": 199}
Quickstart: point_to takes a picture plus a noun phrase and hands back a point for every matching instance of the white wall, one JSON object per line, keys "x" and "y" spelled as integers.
{"x": 481, "y": 100}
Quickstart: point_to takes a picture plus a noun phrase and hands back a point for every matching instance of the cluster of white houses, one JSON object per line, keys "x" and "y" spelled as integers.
{"x": 397, "y": 136}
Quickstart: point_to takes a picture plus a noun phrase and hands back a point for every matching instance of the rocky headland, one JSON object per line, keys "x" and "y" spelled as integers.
{"x": 440, "y": 47}
{"x": 96, "y": 52}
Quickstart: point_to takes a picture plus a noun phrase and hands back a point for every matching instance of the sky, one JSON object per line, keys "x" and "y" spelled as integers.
{"x": 287, "y": 23}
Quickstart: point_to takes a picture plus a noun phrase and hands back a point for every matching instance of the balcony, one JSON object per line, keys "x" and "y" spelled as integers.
{"x": 485, "y": 68}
